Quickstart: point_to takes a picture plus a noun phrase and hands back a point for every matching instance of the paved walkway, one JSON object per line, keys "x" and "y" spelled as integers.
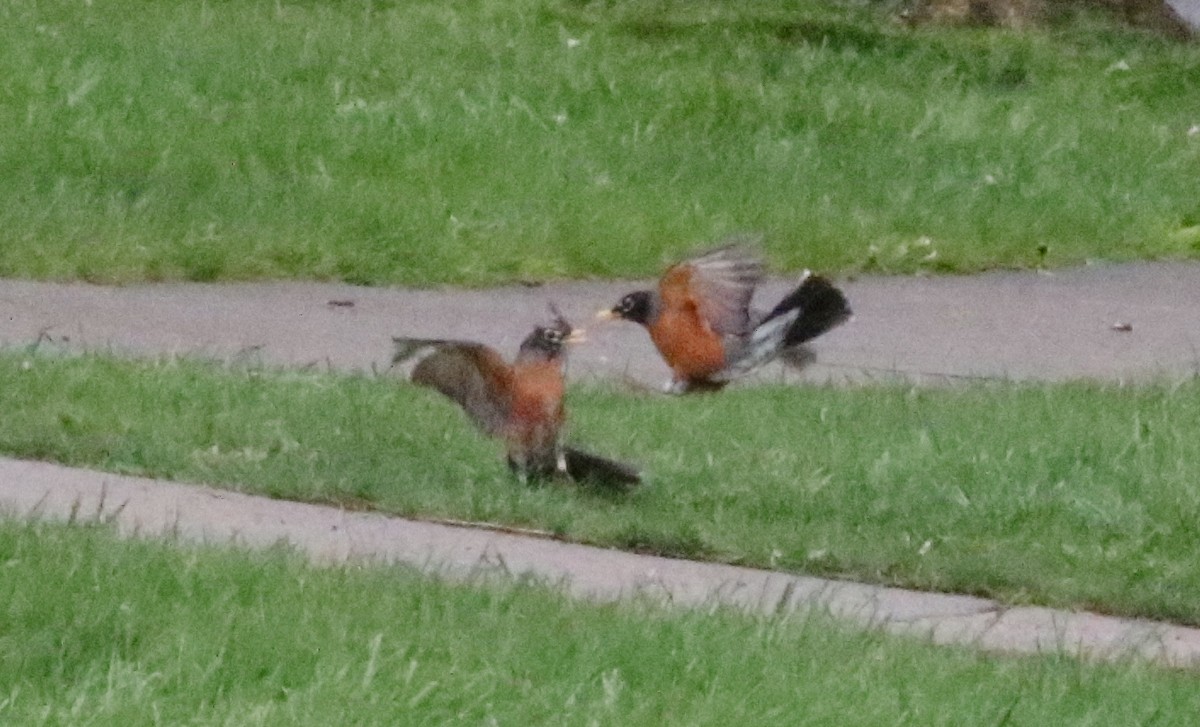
{"x": 1003, "y": 325}
{"x": 149, "y": 508}
{"x": 1188, "y": 11}
{"x": 1107, "y": 322}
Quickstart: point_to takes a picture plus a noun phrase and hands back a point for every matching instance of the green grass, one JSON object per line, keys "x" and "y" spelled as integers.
{"x": 490, "y": 140}
{"x": 1079, "y": 495}
{"x": 99, "y": 631}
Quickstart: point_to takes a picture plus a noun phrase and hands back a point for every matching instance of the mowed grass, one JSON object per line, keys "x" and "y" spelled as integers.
{"x": 489, "y": 140}
{"x": 1076, "y": 495}
{"x": 96, "y": 630}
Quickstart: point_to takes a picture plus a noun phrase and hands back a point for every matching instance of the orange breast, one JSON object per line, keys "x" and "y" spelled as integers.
{"x": 537, "y": 405}
{"x": 687, "y": 343}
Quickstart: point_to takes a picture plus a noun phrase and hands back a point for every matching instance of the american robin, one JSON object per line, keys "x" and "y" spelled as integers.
{"x": 521, "y": 403}
{"x": 700, "y": 319}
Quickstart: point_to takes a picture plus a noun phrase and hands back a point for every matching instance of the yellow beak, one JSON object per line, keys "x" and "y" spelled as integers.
{"x": 606, "y": 314}
{"x": 577, "y": 335}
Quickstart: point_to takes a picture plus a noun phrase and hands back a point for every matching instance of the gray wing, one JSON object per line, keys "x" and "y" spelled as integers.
{"x": 470, "y": 374}
{"x": 722, "y": 283}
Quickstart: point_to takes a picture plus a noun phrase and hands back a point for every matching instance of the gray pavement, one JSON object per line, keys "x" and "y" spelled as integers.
{"x": 1188, "y": 11}
{"x": 1114, "y": 323}
{"x": 150, "y": 508}
{"x": 1126, "y": 322}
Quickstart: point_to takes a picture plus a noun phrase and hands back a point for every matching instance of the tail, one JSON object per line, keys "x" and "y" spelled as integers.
{"x": 606, "y": 473}
{"x": 813, "y": 308}
{"x": 820, "y": 305}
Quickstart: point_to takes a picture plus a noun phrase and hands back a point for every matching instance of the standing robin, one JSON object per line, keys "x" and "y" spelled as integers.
{"x": 700, "y": 320}
{"x": 521, "y": 403}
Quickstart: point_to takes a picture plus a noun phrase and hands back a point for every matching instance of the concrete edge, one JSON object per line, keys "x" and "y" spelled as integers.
{"x": 141, "y": 507}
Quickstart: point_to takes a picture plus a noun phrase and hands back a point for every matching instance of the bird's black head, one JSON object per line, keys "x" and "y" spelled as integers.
{"x": 633, "y": 307}
{"x": 548, "y": 342}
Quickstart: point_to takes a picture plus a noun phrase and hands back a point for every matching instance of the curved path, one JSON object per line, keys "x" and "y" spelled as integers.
{"x": 1017, "y": 326}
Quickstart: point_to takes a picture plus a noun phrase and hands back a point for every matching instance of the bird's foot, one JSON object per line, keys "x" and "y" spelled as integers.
{"x": 675, "y": 387}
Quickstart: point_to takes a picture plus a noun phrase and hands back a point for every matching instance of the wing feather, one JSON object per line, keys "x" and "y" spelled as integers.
{"x": 718, "y": 284}
{"x": 472, "y": 375}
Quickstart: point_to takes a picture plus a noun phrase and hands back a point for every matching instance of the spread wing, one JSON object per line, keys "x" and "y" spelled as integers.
{"x": 718, "y": 284}
{"x": 471, "y": 374}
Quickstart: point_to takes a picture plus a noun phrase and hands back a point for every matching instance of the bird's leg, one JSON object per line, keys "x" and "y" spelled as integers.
{"x": 520, "y": 468}
{"x": 676, "y": 386}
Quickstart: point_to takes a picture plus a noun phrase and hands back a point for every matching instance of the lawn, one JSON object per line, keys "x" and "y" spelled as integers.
{"x": 478, "y": 142}
{"x": 495, "y": 140}
{"x": 99, "y": 631}
{"x": 1077, "y": 495}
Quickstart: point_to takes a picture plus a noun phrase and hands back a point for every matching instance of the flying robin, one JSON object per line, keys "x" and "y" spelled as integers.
{"x": 700, "y": 319}
{"x": 521, "y": 403}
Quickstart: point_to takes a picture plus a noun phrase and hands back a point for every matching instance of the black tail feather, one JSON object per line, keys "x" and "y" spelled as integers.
{"x": 822, "y": 307}
{"x": 607, "y": 473}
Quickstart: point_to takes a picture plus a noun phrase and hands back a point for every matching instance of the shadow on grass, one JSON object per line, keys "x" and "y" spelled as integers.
{"x": 974, "y": 60}
{"x": 829, "y": 34}
{"x": 665, "y": 22}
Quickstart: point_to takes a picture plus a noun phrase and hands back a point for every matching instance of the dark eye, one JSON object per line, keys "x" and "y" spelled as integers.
{"x": 553, "y": 336}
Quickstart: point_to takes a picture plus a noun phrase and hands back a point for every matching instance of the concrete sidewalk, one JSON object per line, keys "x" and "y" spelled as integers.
{"x": 150, "y": 508}
{"x": 1009, "y": 325}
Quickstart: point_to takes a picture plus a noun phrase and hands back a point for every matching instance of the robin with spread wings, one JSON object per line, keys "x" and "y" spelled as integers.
{"x": 519, "y": 403}
{"x": 700, "y": 319}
